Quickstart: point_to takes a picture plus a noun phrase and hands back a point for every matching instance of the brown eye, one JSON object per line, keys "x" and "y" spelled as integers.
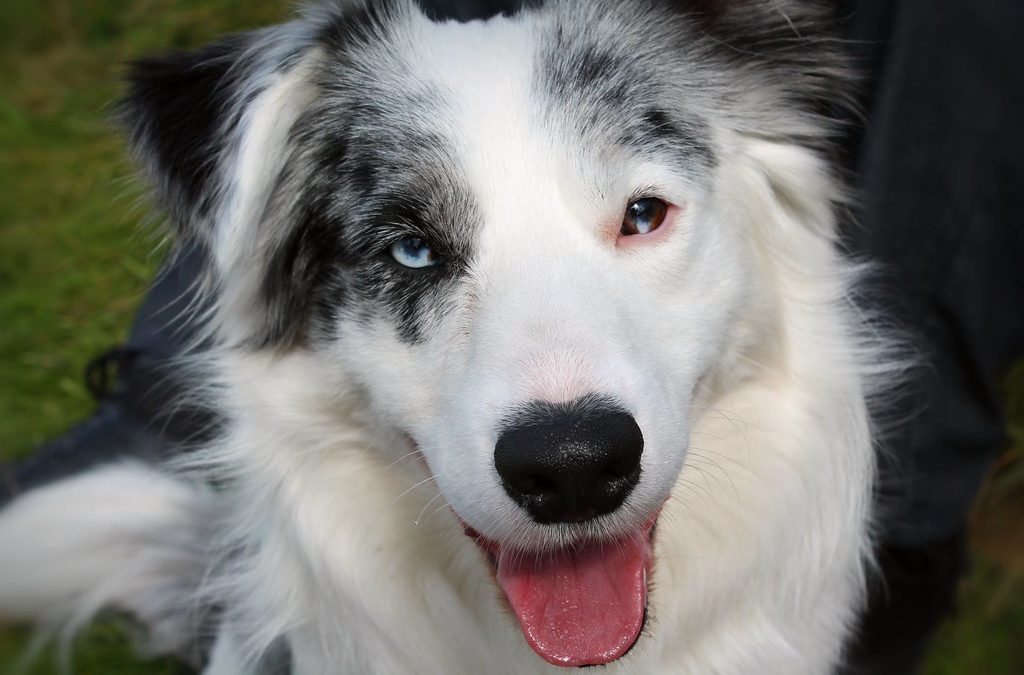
{"x": 643, "y": 216}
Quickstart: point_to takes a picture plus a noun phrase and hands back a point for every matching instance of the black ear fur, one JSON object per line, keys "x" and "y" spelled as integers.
{"x": 180, "y": 110}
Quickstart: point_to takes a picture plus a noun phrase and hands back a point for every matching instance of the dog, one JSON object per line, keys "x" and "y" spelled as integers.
{"x": 535, "y": 342}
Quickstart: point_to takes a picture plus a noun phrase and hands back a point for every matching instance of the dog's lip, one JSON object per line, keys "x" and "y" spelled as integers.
{"x": 493, "y": 553}
{"x": 491, "y": 547}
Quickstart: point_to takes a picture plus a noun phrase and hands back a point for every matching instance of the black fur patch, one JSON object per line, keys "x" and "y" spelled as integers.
{"x": 657, "y": 131}
{"x": 372, "y": 169}
{"x": 396, "y": 182}
{"x": 178, "y": 112}
{"x": 346, "y": 30}
{"x": 581, "y": 71}
{"x": 469, "y": 10}
{"x": 296, "y": 269}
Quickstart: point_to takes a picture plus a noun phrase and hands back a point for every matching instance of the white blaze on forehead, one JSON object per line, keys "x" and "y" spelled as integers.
{"x": 485, "y": 72}
{"x": 543, "y": 316}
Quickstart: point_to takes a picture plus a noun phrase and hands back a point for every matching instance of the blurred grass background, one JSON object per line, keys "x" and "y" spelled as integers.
{"x": 74, "y": 263}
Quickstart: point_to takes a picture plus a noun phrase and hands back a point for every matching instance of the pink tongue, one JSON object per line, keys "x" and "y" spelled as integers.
{"x": 579, "y": 607}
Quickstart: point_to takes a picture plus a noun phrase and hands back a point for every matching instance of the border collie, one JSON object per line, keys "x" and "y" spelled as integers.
{"x": 535, "y": 344}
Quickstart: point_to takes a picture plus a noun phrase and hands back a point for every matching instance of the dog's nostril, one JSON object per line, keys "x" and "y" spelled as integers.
{"x": 534, "y": 486}
{"x": 622, "y": 469}
{"x": 570, "y": 462}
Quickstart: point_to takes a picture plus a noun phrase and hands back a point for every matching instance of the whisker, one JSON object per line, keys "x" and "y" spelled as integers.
{"x": 425, "y": 506}
{"x": 438, "y": 510}
{"x": 422, "y": 482}
{"x": 403, "y": 458}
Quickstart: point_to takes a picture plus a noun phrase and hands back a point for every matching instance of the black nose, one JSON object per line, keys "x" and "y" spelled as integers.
{"x": 569, "y": 462}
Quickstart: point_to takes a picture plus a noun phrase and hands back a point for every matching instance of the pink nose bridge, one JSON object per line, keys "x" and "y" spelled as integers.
{"x": 556, "y": 325}
{"x": 556, "y": 374}
{"x": 564, "y": 342}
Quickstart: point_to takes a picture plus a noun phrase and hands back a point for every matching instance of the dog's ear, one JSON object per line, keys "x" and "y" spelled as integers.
{"x": 790, "y": 46}
{"x": 766, "y": 28}
{"x": 792, "y": 89}
{"x": 216, "y": 131}
{"x": 183, "y": 112}
{"x": 211, "y": 129}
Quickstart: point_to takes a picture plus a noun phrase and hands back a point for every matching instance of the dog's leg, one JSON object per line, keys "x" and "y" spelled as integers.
{"x": 125, "y": 536}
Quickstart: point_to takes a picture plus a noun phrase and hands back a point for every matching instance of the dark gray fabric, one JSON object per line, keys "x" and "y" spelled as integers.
{"x": 940, "y": 173}
{"x": 939, "y": 168}
{"x": 145, "y": 411}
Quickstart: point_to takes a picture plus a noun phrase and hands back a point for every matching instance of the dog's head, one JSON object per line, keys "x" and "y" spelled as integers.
{"x": 529, "y": 240}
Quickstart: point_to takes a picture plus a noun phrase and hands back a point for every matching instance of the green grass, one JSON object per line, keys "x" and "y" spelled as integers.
{"x": 74, "y": 262}
{"x": 987, "y": 634}
{"x": 103, "y": 650}
{"x": 986, "y": 637}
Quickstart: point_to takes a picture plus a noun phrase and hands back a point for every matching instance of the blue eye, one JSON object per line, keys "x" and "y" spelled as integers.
{"x": 414, "y": 252}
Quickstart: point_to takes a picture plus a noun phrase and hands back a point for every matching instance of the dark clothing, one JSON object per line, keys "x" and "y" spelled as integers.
{"x": 144, "y": 411}
{"x": 940, "y": 169}
{"x": 907, "y": 602}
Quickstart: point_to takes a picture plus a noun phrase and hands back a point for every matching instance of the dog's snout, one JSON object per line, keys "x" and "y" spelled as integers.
{"x": 569, "y": 462}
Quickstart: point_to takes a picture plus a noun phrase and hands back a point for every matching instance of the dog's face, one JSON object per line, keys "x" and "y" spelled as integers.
{"x": 517, "y": 237}
{"x": 528, "y": 235}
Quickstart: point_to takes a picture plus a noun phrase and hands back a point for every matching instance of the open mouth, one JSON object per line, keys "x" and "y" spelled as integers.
{"x": 583, "y": 605}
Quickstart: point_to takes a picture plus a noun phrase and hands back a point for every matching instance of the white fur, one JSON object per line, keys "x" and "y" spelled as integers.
{"x": 732, "y": 341}
{"x": 123, "y": 537}
{"x": 260, "y": 155}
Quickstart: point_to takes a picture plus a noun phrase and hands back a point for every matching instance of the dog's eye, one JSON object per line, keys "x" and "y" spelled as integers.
{"x": 643, "y": 216}
{"x": 414, "y": 252}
